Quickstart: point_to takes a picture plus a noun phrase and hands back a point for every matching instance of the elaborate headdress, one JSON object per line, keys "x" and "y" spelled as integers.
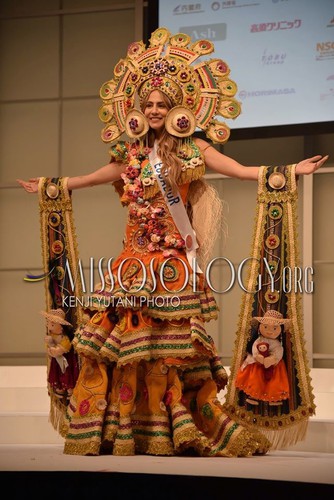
{"x": 198, "y": 92}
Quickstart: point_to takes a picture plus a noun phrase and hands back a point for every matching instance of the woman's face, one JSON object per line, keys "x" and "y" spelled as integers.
{"x": 155, "y": 111}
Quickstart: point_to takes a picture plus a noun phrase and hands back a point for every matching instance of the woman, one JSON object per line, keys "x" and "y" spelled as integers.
{"x": 150, "y": 373}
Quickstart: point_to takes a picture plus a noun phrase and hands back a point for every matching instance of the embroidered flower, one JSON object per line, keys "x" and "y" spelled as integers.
{"x": 180, "y": 243}
{"x": 84, "y": 407}
{"x": 128, "y": 103}
{"x": 133, "y": 124}
{"x": 124, "y": 177}
{"x": 156, "y": 81}
{"x": 132, "y": 191}
{"x": 157, "y": 212}
{"x": 143, "y": 211}
{"x": 131, "y": 172}
{"x": 151, "y": 247}
{"x": 125, "y": 393}
{"x": 155, "y": 238}
{"x": 169, "y": 253}
{"x": 101, "y": 404}
{"x": 170, "y": 240}
{"x": 196, "y": 161}
{"x": 207, "y": 411}
{"x": 190, "y": 101}
{"x": 183, "y": 122}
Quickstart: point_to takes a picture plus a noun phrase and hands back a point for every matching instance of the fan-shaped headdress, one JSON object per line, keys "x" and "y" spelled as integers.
{"x": 198, "y": 92}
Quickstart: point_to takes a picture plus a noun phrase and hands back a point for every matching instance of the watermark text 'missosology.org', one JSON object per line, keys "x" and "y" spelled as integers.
{"x": 293, "y": 280}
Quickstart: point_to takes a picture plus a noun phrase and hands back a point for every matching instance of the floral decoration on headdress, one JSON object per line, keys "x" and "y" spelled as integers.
{"x": 201, "y": 92}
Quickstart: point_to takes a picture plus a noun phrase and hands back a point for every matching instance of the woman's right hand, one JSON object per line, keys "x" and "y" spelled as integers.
{"x": 30, "y": 186}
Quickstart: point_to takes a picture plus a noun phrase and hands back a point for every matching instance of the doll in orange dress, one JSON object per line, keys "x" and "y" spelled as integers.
{"x": 64, "y": 369}
{"x": 253, "y": 377}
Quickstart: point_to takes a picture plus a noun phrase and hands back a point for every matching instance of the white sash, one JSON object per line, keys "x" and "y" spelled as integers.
{"x": 176, "y": 209}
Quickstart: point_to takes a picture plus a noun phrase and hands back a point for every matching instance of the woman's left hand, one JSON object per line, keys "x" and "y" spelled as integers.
{"x": 310, "y": 165}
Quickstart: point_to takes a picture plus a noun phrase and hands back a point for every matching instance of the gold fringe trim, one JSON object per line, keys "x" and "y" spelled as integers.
{"x": 244, "y": 443}
{"x": 57, "y": 415}
{"x": 154, "y": 447}
{"x": 191, "y": 438}
{"x": 286, "y": 437}
{"x": 123, "y": 449}
{"x": 88, "y": 448}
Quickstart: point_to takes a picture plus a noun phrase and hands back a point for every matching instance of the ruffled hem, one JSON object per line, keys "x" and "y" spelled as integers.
{"x": 234, "y": 440}
{"x": 138, "y": 337}
{"x": 151, "y": 411}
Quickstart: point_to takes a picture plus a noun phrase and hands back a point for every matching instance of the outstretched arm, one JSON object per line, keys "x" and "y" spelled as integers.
{"x": 106, "y": 174}
{"x": 227, "y": 166}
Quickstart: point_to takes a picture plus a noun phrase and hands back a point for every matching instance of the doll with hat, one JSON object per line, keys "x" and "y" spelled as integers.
{"x": 63, "y": 370}
{"x": 263, "y": 375}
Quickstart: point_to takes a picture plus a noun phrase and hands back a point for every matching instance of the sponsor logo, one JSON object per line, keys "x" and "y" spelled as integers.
{"x": 276, "y": 26}
{"x": 230, "y": 4}
{"x": 187, "y": 8}
{"x": 329, "y": 92}
{"x": 243, "y": 94}
{"x": 206, "y": 31}
{"x": 325, "y": 51}
{"x": 331, "y": 23}
{"x": 269, "y": 58}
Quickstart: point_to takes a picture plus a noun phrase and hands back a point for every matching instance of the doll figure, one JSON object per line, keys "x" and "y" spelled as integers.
{"x": 263, "y": 375}
{"x": 63, "y": 370}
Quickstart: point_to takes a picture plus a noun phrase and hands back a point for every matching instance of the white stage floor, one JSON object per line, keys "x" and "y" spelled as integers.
{"x": 32, "y": 462}
{"x": 277, "y": 465}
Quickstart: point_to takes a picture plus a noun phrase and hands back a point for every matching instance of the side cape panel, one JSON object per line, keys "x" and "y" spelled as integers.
{"x": 62, "y": 278}
{"x": 273, "y": 261}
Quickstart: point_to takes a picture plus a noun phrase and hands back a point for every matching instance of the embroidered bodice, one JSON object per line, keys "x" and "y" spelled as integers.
{"x": 150, "y": 226}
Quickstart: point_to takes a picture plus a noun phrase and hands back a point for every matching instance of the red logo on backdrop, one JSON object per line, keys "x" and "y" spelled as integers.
{"x": 276, "y": 26}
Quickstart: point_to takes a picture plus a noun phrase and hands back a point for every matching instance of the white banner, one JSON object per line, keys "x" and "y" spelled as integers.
{"x": 177, "y": 210}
